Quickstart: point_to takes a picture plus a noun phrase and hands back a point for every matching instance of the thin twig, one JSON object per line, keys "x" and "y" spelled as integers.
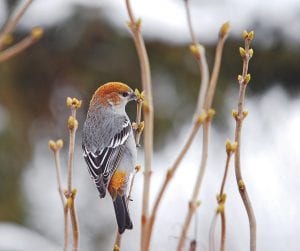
{"x": 199, "y": 54}
{"x": 207, "y": 107}
{"x": 68, "y": 200}
{"x": 189, "y": 20}
{"x": 74, "y": 221}
{"x": 193, "y": 204}
{"x": 66, "y": 227}
{"x": 13, "y": 21}
{"x": 220, "y": 211}
{"x": 239, "y": 116}
{"x": 135, "y": 27}
{"x": 212, "y": 232}
{"x": 70, "y": 194}
{"x": 229, "y": 154}
{"x": 72, "y": 134}
{"x": 170, "y": 172}
{"x": 22, "y": 45}
{"x": 223, "y": 33}
{"x": 61, "y": 194}
{"x": 56, "y": 147}
{"x": 139, "y": 125}
{"x": 221, "y": 199}
{"x": 223, "y": 230}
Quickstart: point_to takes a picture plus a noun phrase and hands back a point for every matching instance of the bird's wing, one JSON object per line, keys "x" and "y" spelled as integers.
{"x": 102, "y": 163}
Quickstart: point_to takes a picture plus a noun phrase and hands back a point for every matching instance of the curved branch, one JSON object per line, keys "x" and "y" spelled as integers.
{"x": 239, "y": 116}
{"x": 13, "y": 21}
{"x": 135, "y": 26}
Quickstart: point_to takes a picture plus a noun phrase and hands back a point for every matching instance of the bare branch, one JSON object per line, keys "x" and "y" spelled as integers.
{"x": 239, "y": 116}
{"x": 223, "y": 230}
{"x": 13, "y": 21}
{"x": 66, "y": 227}
{"x": 135, "y": 26}
{"x": 193, "y": 204}
{"x": 139, "y": 125}
{"x": 199, "y": 116}
{"x": 223, "y": 33}
{"x": 74, "y": 221}
{"x": 26, "y": 42}
{"x": 70, "y": 194}
{"x": 204, "y": 103}
{"x": 212, "y": 232}
{"x": 56, "y": 147}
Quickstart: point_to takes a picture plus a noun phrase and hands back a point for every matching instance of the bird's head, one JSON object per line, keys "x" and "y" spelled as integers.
{"x": 113, "y": 95}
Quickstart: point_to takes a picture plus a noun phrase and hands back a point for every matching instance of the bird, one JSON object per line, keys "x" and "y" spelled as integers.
{"x": 109, "y": 147}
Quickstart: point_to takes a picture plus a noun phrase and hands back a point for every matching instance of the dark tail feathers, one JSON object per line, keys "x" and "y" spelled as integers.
{"x": 122, "y": 214}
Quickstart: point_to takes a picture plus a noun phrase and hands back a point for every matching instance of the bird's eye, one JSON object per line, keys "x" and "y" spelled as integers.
{"x": 125, "y": 94}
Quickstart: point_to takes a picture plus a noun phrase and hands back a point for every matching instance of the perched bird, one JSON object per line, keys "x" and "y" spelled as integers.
{"x": 108, "y": 146}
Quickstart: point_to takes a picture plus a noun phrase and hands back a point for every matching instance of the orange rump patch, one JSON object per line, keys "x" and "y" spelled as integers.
{"x": 117, "y": 182}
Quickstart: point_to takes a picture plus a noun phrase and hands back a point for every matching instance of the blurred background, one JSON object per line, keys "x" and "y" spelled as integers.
{"x": 86, "y": 43}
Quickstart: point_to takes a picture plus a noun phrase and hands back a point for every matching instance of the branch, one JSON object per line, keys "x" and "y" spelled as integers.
{"x": 212, "y": 232}
{"x": 170, "y": 173}
{"x": 56, "y": 147}
{"x": 230, "y": 149}
{"x": 66, "y": 227}
{"x": 70, "y": 194}
{"x": 12, "y": 22}
{"x": 223, "y": 33}
{"x": 73, "y": 125}
{"x": 239, "y": 116}
{"x": 194, "y": 203}
{"x": 135, "y": 26}
{"x": 74, "y": 221}
{"x": 221, "y": 199}
{"x": 206, "y": 106}
{"x": 26, "y": 42}
{"x": 198, "y": 52}
{"x": 223, "y": 230}
{"x": 139, "y": 125}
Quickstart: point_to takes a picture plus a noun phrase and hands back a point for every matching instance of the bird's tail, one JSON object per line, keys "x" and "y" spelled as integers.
{"x": 122, "y": 215}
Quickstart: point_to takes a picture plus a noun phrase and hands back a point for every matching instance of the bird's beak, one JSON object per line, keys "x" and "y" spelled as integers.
{"x": 132, "y": 96}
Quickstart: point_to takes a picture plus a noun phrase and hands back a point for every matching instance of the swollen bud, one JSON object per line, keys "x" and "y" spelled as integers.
{"x": 247, "y": 78}
{"x": 52, "y": 145}
{"x": 72, "y": 123}
{"x": 251, "y": 35}
{"x": 37, "y": 33}
{"x": 245, "y": 34}
{"x": 250, "y": 52}
{"x": 195, "y": 51}
{"x": 202, "y": 117}
{"x": 234, "y": 114}
{"x": 242, "y": 52}
{"x": 210, "y": 113}
{"x": 59, "y": 144}
{"x": 224, "y": 29}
